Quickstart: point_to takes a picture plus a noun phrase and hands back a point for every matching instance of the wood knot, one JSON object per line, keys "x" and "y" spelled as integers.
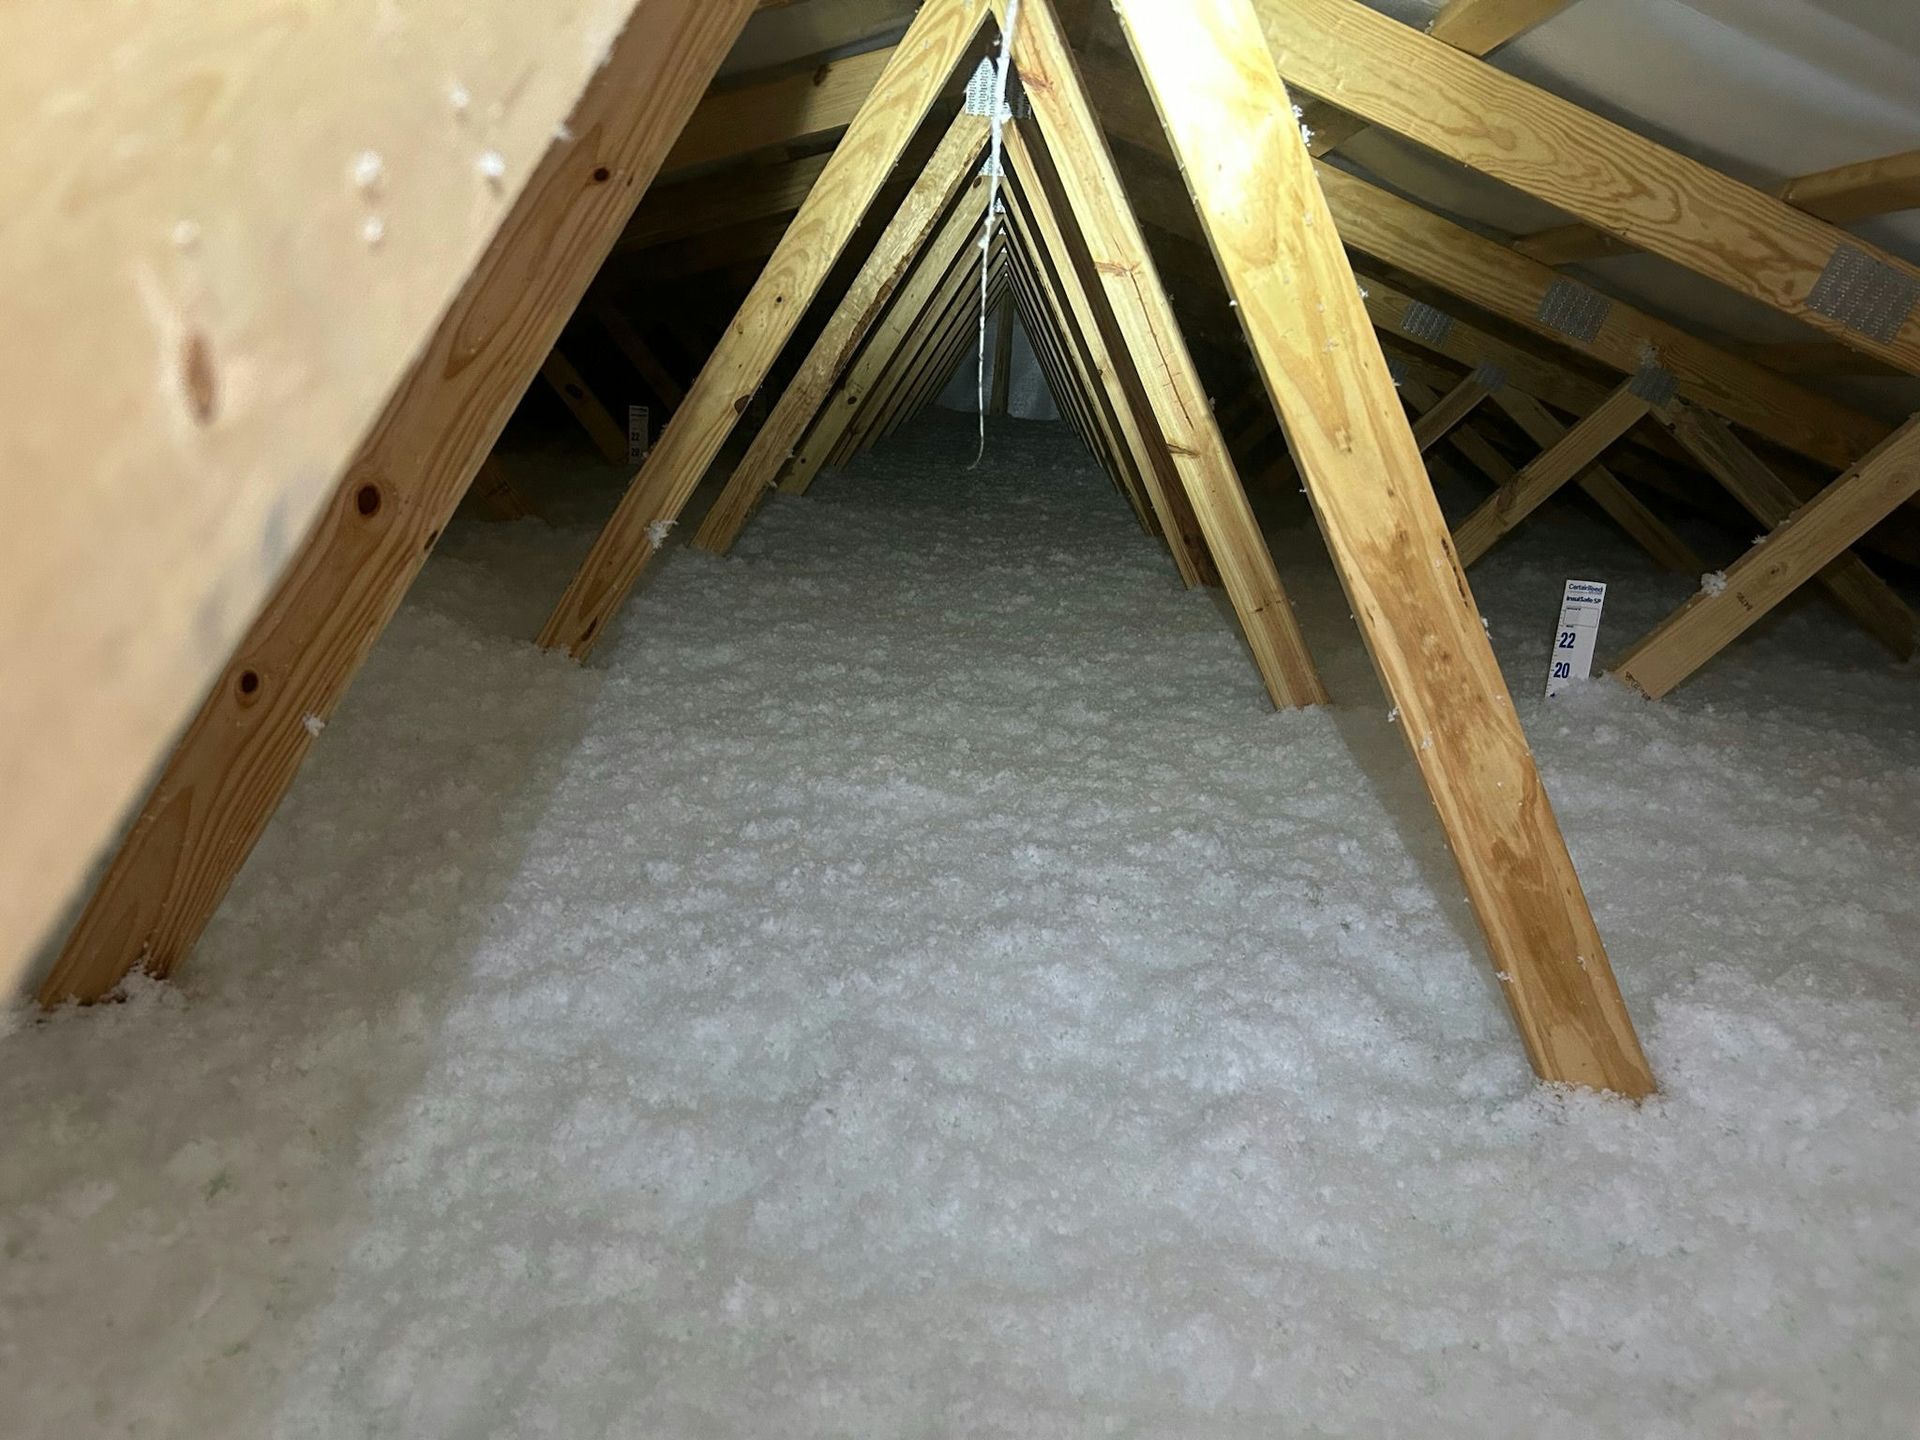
{"x": 197, "y": 379}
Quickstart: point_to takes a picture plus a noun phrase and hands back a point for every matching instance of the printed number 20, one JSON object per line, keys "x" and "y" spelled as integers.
{"x": 1562, "y": 669}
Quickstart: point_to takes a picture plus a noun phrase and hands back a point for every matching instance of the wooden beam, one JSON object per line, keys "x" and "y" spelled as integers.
{"x": 1794, "y": 552}
{"x": 1480, "y": 26}
{"x": 908, "y": 310}
{"x": 493, "y": 496}
{"x": 926, "y": 344}
{"x": 1138, "y": 432}
{"x": 1066, "y": 395}
{"x": 229, "y": 230}
{"x": 1858, "y": 191}
{"x": 955, "y": 161}
{"x": 1002, "y": 360}
{"x": 1077, "y": 354}
{"x": 1488, "y": 274}
{"x": 1441, "y": 331}
{"x": 1301, "y": 309}
{"x": 1066, "y": 380}
{"x": 1452, "y": 258}
{"x": 242, "y": 750}
{"x": 628, "y": 340}
{"x": 942, "y": 32}
{"x": 1615, "y": 180}
{"x": 1570, "y": 244}
{"x": 1092, "y": 200}
{"x": 1848, "y": 582}
{"x": 716, "y": 202}
{"x": 1448, "y": 411}
{"x": 930, "y": 371}
{"x": 1475, "y": 26}
{"x": 566, "y": 382}
{"x": 1813, "y": 357}
{"x": 759, "y": 112}
{"x": 1839, "y": 196}
{"x": 1602, "y": 487}
{"x": 1537, "y": 481}
{"x": 1421, "y": 398}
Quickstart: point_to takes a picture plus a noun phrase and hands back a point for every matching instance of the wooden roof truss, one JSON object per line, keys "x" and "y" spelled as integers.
{"x": 1268, "y": 218}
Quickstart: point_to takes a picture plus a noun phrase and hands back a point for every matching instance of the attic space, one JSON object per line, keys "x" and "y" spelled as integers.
{"x": 998, "y": 718}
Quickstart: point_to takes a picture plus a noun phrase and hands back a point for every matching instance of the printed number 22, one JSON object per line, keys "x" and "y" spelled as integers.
{"x": 1566, "y": 640}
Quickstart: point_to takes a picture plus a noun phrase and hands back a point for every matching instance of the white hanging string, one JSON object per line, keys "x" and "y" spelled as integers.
{"x": 997, "y": 118}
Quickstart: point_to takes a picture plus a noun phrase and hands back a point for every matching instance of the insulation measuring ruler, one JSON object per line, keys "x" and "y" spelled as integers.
{"x": 1574, "y": 636}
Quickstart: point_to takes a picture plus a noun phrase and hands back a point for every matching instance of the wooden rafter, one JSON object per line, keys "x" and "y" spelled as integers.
{"x": 1536, "y": 482}
{"x": 1449, "y": 257}
{"x": 587, "y": 408}
{"x": 628, "y": 340}
{"x": 759, "y": 113}
{"x": 1119, "y": 380}
{"x": 1092, "y": 205}
{"x": 1612, "y": 178}
{"x": 1812, "y": 357}
{"x": 1858, "y": 191}
{"x": 229, "y": 231}
{"x": 927, "y": 344}
{"x": 1077, "y": 352}
{"x": 1002, "y": 363}
{"x": 1067, "y": 396}
{"x": 930, "y": 371}
{"x": 1299, "y": 304}
{"x": 240, "y": 753}
{"x": 1067, "y": 381}
{"x": 493, "y": 496}
{"x": 913, "y": 224}
{"x": 942, "y": 32}
{"x": 1602, "y": 487}
{"x": 905, "y": 312}
{"x": 1840, "y": 196}
{"x": 1487, "y": 273}
{"x": 1847, "y": 580}
{"x": 1479, "y": 27}
{"x": 715, "y": 202}
{"x": 1450, "y": 410}
{"x": 1799, "y": 548}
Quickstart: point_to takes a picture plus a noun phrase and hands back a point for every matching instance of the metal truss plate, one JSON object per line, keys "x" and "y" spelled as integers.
{"x": 1868, "y": 296}
{"x": 1422, "y": 321}
{"x": 1655, "y": 385}
{"x": 1574, "y": 310}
